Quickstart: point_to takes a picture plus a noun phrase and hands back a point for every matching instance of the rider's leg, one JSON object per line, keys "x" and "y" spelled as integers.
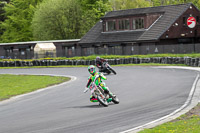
{"x": 100, "y": 70}
{"x": 105, "y": 70}
{"x": 106, "y": 89}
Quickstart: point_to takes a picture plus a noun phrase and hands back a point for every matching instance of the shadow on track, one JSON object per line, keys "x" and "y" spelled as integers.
{"x": 90, "y": 106}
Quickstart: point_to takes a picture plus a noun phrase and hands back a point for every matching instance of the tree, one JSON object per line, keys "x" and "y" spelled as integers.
{"x": 129, "y": 4}
{"x": 2, "y": 12}
{"x": 2, "y": 4}
{"x": 58, "y": 19}
{"x": 97, "y": 7}
{"x": 66, "y": 19}
{"x": 174, "y": 2}
{"x": 18, "y": 14}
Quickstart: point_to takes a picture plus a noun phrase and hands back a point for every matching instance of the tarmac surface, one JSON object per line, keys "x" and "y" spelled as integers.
{"x": 146, "y": 94}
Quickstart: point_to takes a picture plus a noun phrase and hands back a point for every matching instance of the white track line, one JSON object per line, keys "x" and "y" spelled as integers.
{"x": 191, "y": 102}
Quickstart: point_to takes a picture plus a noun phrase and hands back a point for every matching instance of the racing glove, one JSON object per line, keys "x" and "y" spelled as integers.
{"x": 86, "y": 89}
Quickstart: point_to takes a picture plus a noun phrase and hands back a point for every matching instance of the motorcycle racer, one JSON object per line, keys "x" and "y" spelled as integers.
{"x": 100, "y": 63}
{"x": 99, "y": 81}
{"x": 103, "y": 66}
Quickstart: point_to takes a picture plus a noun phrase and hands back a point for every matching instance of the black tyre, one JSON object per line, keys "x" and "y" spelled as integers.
{"x": 102, "y": 101}
{"x": 115, "y": 100}
{"x": 113, "y": 71}
{"x": 108, "y": 72}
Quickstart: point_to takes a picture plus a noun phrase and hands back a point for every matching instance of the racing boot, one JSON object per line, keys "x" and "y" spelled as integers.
{"x": 107, "y": 91}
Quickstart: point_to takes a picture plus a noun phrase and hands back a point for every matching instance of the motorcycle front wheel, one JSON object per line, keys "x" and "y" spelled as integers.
{"x": 102, "y": 101}
{"x": 115, "y": 100}
{"x": 113, "y": 71}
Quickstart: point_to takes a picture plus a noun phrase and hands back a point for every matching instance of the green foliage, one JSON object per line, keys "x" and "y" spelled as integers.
{"x": 190, "y": 125}
{"x": 129, "y": 4}
{"x": 174, "y": 2}
{"x": 2, "y": 4}
{"x": 97, "y": 7}
{"x": 92, "y": 57}
{"x": 53, "y": 20}
{"x": 11, "y": 85}
{"x": 61, "y": 19}
{"x": 17, "y": 25}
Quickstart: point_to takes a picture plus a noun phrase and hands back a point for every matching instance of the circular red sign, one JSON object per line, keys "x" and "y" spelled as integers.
{"x": 191, "y": 22}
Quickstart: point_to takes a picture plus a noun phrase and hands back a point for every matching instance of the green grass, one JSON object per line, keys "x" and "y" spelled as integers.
{"x": 59, "y": 66}
{"x": 181, "y": 125}
{"x": 63, "y": 66}
{"x": 150, "y": 64}
{"x": 187, "y": 123}
{"x": 92, "y": 57}
{"x": 12, "y": 85}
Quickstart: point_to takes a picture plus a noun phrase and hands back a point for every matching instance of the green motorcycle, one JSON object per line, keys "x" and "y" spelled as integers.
{"x": 98, "y": 95}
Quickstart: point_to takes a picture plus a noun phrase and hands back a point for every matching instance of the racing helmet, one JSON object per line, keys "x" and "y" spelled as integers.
{"x": 91, "y": 69}
{"x": 98, "y": 58}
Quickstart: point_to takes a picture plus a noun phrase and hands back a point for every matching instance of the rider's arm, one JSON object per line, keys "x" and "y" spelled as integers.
{"x": 98, "y": 64}
{"x": 103, "y": 60}
{"x": 89, "y": 81}
{"x": 102, "y": 76}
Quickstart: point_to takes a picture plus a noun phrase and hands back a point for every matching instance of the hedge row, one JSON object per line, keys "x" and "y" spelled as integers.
{"x": 162, "y": 60}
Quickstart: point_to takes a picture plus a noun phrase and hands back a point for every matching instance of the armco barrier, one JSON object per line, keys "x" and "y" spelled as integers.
{"x": 161, "y": 60}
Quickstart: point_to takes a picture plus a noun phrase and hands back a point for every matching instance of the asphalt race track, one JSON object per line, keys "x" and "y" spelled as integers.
{"x": 145, "y": 94}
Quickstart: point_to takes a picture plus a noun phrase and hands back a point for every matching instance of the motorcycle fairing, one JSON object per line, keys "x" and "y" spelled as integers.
{"x": 93, "y": 99}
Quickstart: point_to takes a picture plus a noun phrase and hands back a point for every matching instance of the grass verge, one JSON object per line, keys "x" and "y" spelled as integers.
{"x": 150, "y": 64}
{"x": 92, "y": 57}
{"x": 12, "y": 85}
{"x": 63, "y": 66}
{"x": 187, "y": 123}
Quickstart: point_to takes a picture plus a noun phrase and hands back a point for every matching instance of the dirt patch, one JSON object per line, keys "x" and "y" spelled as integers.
{"x": 193, "y": 112}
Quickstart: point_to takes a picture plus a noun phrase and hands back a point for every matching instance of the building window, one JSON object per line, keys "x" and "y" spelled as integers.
{"x": 110, "y": 25}
{"x": 9, "y": 52}
{"x": 124, "y": 24}
{"x": 117, "y": 50}
{"x": 69, "y": 51}
{"x": 88, "y": 51}
{"x": 138, "y": 23}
